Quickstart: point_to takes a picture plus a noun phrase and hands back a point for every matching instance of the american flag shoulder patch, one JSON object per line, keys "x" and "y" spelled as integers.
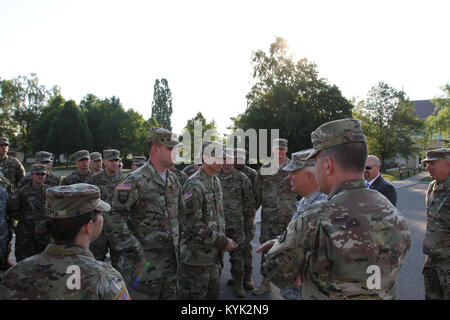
{"x": 187, "y": 195}
{"x": 124, "y": 187}
{"x": 124, "y": 295}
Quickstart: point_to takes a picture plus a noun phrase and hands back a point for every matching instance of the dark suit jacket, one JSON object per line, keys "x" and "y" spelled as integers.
{"x": 385, "y": 188}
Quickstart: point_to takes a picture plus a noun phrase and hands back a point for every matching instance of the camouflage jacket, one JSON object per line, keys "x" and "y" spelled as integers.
{"x": 305, "y": 202}
{"x": 27, "y": 205}
{"x": 151, "y": 207}
{"x": 436, "y": 243}
{"x": 48, "y": 276}
{"x": 12, "y": 170}
{"x": 274, "y": 193}
{"x": 203, "y": 237}
{"x": 189, "y": 170}
{"x": 238, "y": 206}
{"x": 182, "y": 177}
{"x": 107, "y": 184}
{"x": 75, "y": 177}
{"x": 250, "y": 173}
{"x": 51, "y": 179}
{"x": 335, "y": 244}
{"x": 4, "y": 231}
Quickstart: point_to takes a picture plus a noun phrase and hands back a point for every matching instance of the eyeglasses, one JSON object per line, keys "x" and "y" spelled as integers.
{"x": 369, "y": 168}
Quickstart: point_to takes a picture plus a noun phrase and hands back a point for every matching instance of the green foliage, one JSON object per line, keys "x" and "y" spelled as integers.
{"x": 289, "y": 96}
{"x": 162, "y": 103}
{"x": 68, "y": 132}
{"x": 440, "y": 121}
{"x": 205, "y": 125}
{"x": 389, "y": 122}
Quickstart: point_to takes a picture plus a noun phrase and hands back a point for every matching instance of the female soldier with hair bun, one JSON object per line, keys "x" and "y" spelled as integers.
{"x": 66, "y": 269}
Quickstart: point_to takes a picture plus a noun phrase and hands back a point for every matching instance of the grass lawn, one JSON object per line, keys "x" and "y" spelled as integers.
{"x": 392, "y": 175}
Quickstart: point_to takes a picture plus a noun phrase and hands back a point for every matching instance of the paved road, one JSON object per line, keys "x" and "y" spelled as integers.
{"x": 411, "y": 202}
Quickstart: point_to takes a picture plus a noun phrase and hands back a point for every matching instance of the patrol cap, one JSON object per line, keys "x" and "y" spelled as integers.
{"x": 163, "y": 136}
{"x": 138, "y": 160}
{"x": 82, "y": 154}
{"x": 299, "y": 161}
{"x": 74, "y": 200}
{"x": 44, "y": 156}
{"x": 38, "y": 168}
{"x": 210, "y": 147}
{"x": 335, "y": 133}
{"x": 281, "y": 143}
{"x": 111, "y": 154}
{"x": 4, "y": 140}
{"x": 437, "y": 154}
{"x": 96, "y": 156}
{"x": 240, "y": 153}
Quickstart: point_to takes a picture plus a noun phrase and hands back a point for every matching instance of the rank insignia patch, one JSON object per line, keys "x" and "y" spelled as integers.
{"x": 187, "y": 195}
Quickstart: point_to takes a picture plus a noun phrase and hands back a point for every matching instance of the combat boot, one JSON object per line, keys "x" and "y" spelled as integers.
{"x": 248, "y": 283}
{"x": 238, "y": 288}
{"x": 263, "y": 288}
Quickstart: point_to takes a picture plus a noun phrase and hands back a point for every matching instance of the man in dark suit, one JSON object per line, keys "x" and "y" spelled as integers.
{"x": 375, "y": 181}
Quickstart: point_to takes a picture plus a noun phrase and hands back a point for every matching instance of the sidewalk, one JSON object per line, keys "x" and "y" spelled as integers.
{"x": 410, "y": 181}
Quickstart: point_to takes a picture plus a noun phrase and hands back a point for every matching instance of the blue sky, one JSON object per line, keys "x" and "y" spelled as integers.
{"x": 204, "y": 48}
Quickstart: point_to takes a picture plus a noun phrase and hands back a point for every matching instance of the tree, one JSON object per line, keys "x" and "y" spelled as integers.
{"x": 439, "y": 122}
{"x": 68, "y": 132}
{"x": 289, "y": 96}
{"x": 9, "y": 96}
{"x": 389, "y": 121}
{"x": 162, "y": 103}
{"x": 205, "y": 125}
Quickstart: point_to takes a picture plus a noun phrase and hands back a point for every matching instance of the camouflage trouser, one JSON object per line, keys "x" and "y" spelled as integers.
{"x": 237, "y": 262}
{"x": 200, "y": 282}
{"x": 437, "y": 280}
{"x": 248, "y": 254}
{"x": 99, "y": 247}
{"x": 157, "y": 289}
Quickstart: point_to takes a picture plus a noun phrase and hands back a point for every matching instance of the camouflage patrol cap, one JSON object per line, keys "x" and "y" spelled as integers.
{"x": 138, "y": 160}
{"x": 95, "y": 156}
{"x": 335, "y": 133}
{"x": 82, "y": 154}
{"x": 437, "y": 154}
{"x": 38, "y": 168}
{"x": 280, "y": 143}
{"x": 74, "y": 200}
{"x": 44, "y": 156}
{"x": 240, "y": 153}
{"x": 111, "y": 154}
{"x": 163, "y": 136}
{"x": 210, "y": 148}
{"x": 299, "y": 161}
{"x": 4, "y": 140}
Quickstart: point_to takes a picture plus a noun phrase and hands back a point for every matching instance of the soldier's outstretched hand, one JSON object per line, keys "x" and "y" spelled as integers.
{"x": 231, "y": 245}
{"x": 266, "y": 246}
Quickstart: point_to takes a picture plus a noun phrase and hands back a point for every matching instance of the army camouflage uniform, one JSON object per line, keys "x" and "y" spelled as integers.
{"x": 12, "y": 170}
{"x": 27, "y": 205}
{"x": 189, "y": 170}
{"x": 239, "y": 212}
{"x": 5, "y": 192}
{"x": 436, "y": 244}
{"x": 151, "y": 207}
{"x": 51, "y": 179}
{"x": 340, "y": 246}
{"x": 107, "y": 185}
{"x": 75, "y": 177}
{"x": 274, "y": 193}
{"x": 48, "y": 275}
{"x": 182, "y": 177}
{"x": 203, "y": 237}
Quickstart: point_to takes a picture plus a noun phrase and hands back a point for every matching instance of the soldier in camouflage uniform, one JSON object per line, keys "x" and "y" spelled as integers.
{"x": 51, "y": 178}
{"x": 273, "y": 193}
{"x": 150, "y": 198}
{"x": 96, "y": 164}
{"x": 351, "y": 246}
{"x": 11, "y": 167}
{"x": 436, "y": 244}
{"x": 303, "y": 182}
{"x": 83, "y": 172}
{"x": 191, "y": 169}
{"x": 27, "y": 206}
{"x": 66, "y": 270}
{"x": 138, "y": 162}
{"x": 203, "y": 238}
{"x": 107, "y": 181}
{"x": 5, "y": 193}
{"x": 239, "y": 212}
